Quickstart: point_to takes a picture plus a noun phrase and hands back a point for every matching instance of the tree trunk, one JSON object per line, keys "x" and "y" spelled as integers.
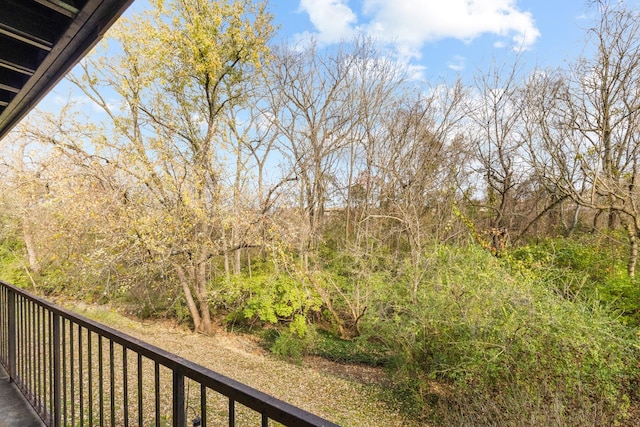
{"x": 200, "y": 277}
{"x": 227, "y": 262}
{"x": 574, "y": 222}
{"x": 191, "y": 304}
{"x": 633, "y": 250}
{"x": 34, "y": 266}
{"x": 237, "y": 261}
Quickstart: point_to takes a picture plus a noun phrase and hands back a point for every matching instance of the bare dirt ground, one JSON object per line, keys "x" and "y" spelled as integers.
{"x": 349, "y": 395}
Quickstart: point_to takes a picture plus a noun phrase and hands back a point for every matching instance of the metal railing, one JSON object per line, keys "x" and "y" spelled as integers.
{"x": 77, "y": 372}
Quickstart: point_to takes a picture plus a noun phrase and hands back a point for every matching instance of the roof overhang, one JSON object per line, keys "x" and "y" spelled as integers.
{"x": 40, "y": 41}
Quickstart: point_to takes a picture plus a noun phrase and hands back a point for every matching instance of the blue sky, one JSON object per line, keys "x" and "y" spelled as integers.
{"x": 438, "y": 38}
{"x": 445, "y": 37}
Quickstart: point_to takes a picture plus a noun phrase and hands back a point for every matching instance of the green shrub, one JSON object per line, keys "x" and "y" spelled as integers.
{"x": 359, "y": 350}
{"x": 291, "y": 345}
{"x": 513, "y": 352}
{"x": 12, "y": 268}
{"x": 587, "y": 269}
{"x": 268, "y": 296}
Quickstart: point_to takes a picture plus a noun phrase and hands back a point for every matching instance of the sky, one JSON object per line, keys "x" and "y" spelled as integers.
{"x": 445, "y": 37}
{"x": 438, "y": 39}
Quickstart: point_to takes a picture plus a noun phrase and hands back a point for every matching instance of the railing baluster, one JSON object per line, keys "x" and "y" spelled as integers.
{"x": 90, "y": 373}
{"x": 51, "y": 363}
{"x": 64, "y": 371}
{"x": 57, "y": 421}
{"x": 125, "y": 386}
{"x": 203, "y": 405}
{"x": 45, "y": 368}
{"x": 11, "y": 310}
{"x": 178, "y": 399}
{"x": 25, "y": 326}
{"x": 20, "y": 370}
{"x": 156, "y": 376}
{"x": 31, "y": 325}
{"x": 38, "y": 391}
{"x": 18, "y": 373}
{"x": 31, "y": 309}
{"x": 232, "y": 413}
{"x": 43, "y": 359}
{"x": 3, "y": 327}
{"x": 81, "y": 376}
{"x": 27, "y": 334}
{"x": 73, "y": 376}
{"x": 101, "y": 380}
{"x": 140, "y": 411}
{"x": 112, "y": 395}
{"x": 28, "y": 331}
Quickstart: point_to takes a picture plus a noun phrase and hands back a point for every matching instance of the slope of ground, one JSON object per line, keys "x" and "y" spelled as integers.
{"x": 345, "y": 394}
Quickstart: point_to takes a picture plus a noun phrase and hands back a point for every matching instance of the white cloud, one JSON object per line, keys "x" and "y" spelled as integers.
{"x": 409, "y": 24}
{"x": 333, "y": 19}
{"x": 415, "y": 22}
{"x": 457, "y": 63}
{"x": 415, "y": 72}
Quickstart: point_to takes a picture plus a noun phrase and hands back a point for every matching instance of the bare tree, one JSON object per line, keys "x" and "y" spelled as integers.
{"x": 497, "y": 130}
{"x": 587, "y": 121}
{"x": 312, "y": 104}
{"x": 419, "y": 165}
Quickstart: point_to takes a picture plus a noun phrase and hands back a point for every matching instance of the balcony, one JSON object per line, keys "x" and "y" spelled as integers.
{"x": 74, "y": 371}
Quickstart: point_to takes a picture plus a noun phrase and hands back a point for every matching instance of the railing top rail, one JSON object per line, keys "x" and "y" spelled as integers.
{"x": 272, "y": 407}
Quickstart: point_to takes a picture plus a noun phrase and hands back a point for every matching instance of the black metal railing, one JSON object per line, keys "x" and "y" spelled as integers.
{"x": 77, "y": 372}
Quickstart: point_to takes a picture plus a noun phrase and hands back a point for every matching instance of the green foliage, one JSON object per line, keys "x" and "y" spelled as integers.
{"x": 290, "y": 345}
{"x": 270, "y": 296}
{"x": 588, "y": 269}
{"x": 11, "y": 264}
{"x": 355, "y": 281}
{"x": 497, "y": 335}
{"x": 293, "y": 346}
{"x": 359, "y": 350}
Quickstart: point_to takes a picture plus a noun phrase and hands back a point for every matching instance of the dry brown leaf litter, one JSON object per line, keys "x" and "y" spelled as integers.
{"x": 345, "y": 394}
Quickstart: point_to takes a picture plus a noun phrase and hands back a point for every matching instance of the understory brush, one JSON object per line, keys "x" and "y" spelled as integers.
{"x": 589, "y": 268}
{"x": 483, "y": 343}
{"x": 532, "y": 338}
{"x": 12, "y": 269}
{"x": 321, "y": 343}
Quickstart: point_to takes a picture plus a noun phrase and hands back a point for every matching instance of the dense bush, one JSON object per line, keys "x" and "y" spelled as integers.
{"x": 513, "y": 352}
{"x": 268, "y": 295}
{"x": 12, "y": 267}
{"x": 526, "y": 339}
{"x": 586, "y": 268}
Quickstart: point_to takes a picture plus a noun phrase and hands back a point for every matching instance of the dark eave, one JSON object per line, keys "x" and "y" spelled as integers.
{"x": 40, "y": 41}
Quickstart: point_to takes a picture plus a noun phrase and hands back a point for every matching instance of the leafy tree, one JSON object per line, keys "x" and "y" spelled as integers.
{"x": 181, "y": 68}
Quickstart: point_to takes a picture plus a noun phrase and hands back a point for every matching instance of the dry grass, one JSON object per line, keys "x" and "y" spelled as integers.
{"x": 346, "y": 395}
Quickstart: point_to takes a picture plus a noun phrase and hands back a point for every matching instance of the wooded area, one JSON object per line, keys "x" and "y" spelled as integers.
{"x": 479, "y": 234}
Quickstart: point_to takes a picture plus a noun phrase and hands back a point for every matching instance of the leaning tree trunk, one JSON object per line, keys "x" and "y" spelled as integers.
{"x": 32, "y": 253}
{"x": 191, "y": 304}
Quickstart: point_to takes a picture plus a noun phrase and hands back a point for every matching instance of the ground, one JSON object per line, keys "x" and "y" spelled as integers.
{"x": 349, "y": 395}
